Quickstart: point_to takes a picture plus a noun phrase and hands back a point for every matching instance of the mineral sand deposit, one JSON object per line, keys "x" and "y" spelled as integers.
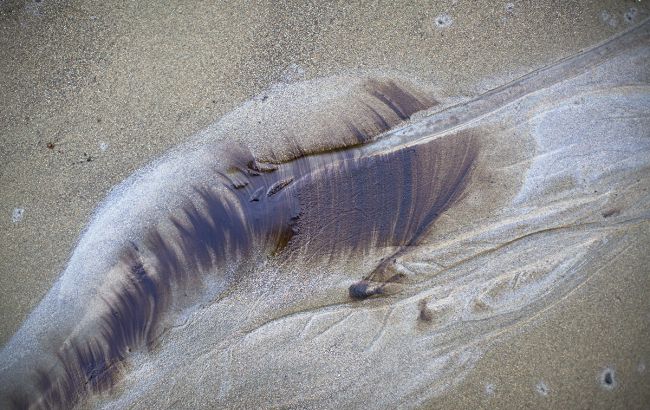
{"x": 530, "y": 290}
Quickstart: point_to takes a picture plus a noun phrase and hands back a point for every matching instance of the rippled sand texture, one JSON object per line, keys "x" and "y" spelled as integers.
{"x": 371, "y": 257}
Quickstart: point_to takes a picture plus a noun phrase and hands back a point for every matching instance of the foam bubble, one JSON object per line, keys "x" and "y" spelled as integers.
{"x": 607, "y": 379}
{"x": 630, "y": 14}
{"x": 444, "y": 20}
{"x": 17, "y": 215}
{"x": 542, "y": 389}
{"x": 490, "y": 389}
{"x": 608, "y": 18}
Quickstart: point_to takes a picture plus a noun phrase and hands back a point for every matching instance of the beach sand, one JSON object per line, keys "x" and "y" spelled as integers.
{"x": 91, "y": 92}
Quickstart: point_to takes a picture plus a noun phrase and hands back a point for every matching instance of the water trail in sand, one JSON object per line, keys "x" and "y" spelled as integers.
{"x": 371, "y": 257}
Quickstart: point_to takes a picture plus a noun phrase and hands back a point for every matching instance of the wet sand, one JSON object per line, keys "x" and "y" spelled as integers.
{"x": 91, "y": 93}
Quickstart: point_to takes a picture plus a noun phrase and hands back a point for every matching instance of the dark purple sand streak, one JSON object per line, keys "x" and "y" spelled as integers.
{"x": 333, "y": 205}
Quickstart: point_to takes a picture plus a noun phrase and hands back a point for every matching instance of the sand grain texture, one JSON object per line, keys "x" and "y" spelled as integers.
{"x": 93, "y": 93}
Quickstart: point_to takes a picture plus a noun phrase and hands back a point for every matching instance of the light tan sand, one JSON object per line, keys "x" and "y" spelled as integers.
{"x": 92, "y": 92}
{"x": 603, "y": 324}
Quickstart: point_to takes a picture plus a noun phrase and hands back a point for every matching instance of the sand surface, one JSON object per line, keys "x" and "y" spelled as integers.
{"x": 91, "y": 92}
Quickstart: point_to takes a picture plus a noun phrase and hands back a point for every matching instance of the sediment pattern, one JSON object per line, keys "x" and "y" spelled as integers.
{"x": 382, "y": 248}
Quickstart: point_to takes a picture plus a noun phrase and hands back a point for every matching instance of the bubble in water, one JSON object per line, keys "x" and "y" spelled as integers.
{"x": 542, "y": 388}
